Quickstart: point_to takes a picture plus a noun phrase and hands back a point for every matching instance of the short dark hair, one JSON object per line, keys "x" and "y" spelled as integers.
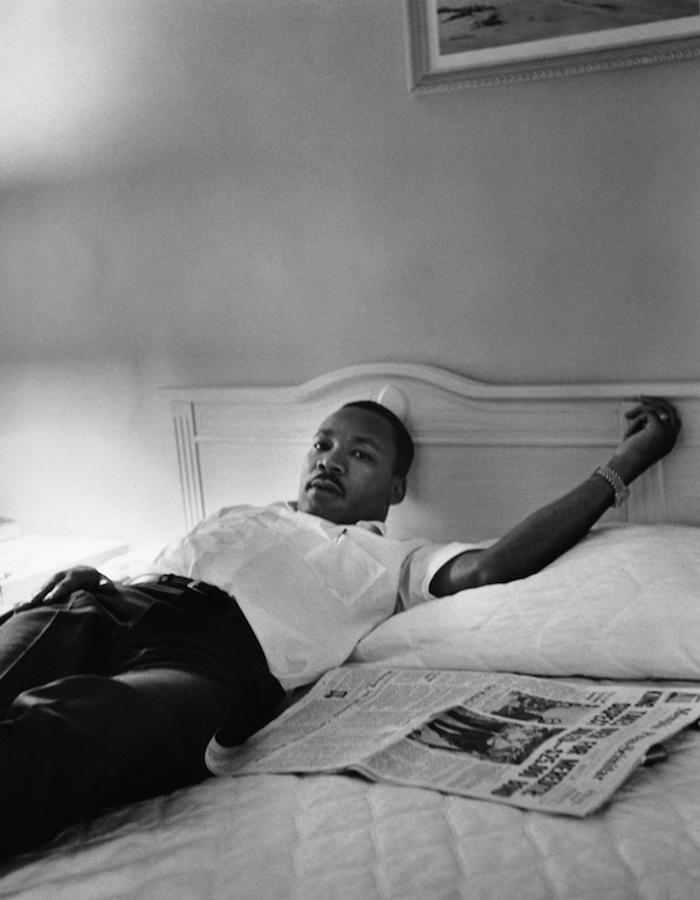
{"x": 402, "y": 439}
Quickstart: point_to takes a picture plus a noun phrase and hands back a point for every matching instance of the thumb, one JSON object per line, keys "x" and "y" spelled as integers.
{"x": 43, "y": 593}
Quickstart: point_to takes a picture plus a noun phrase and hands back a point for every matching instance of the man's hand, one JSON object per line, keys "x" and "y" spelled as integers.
{"x": 653, "y": 428}
{"x": 62, "y": 584}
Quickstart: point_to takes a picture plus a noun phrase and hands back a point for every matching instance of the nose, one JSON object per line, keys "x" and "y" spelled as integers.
{"x": 331, "y": 461}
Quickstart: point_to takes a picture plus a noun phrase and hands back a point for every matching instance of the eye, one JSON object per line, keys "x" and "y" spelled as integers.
{"x": 362, "y": 456}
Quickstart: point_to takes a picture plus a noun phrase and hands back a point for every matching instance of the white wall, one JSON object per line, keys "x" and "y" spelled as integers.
{"x": 245, "y": 192}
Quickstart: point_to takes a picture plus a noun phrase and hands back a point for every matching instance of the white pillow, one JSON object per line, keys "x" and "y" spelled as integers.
{"x": 623, "y": 603}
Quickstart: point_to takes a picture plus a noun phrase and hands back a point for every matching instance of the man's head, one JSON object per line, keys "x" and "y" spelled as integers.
{"x": 357, "y": 465}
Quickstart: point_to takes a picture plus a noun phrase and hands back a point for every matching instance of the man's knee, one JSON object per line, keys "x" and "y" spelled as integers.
{"x": 81, "y": 728}
{"x": 75, "y": 745}
{"x": 51, "y": 763}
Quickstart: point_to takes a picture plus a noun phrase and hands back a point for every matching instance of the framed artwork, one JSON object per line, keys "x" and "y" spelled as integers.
{"x": 456, "y": 44}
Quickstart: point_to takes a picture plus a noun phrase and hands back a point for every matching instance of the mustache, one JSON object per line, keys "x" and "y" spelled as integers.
{"x": 326, "y": 478}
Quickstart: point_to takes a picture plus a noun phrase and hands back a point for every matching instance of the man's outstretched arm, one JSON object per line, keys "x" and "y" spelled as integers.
{"x": 555, "y": 528}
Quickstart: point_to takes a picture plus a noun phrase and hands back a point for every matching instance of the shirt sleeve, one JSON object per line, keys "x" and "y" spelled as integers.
{"x": 420, "y": 567}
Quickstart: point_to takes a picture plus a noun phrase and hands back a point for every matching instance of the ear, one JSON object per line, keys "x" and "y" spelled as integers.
{"x": 398, "y": 490}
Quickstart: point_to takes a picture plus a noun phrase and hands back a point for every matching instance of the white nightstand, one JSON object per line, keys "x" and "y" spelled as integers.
{"x": 27, "y": 562}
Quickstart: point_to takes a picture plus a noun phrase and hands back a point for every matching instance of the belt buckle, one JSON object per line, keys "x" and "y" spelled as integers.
{"x": 183, "y": 583}
{"x": 180, "y": 582}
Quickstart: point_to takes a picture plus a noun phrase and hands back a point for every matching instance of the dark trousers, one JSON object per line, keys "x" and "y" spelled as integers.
{"x": 113, "y": 696}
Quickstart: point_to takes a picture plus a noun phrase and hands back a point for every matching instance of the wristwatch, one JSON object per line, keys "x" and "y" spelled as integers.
{"x": 616, "y": 483}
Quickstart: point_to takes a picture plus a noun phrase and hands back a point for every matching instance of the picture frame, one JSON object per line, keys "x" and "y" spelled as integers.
{"x": 489, "y": 42}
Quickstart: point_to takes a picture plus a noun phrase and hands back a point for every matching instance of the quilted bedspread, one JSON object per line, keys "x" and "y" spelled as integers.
{"x": 625, "y": 604}
{"x": 332, "y": 836}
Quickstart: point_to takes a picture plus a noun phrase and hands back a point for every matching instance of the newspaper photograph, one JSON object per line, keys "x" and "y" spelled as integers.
{"x": 538, "y": 743}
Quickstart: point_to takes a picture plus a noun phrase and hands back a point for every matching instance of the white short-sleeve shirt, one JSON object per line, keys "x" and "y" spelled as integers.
{"x": 309, "y": 588}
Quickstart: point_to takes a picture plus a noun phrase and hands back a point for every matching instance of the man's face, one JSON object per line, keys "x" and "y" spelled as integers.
{"x": 348, "y": 474}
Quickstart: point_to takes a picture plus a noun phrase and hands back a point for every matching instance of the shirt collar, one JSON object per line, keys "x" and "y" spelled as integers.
{"x": 375, "y": 527}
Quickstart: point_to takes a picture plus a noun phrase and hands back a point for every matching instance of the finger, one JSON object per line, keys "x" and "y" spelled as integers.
{"x": 653, "y": 408}
{"x": 71, "y": 581}
{"x": 669, "y": 410}
{"x": 635, "y": 411}
{"x": 665, "y": 413}
{"x": 645, "y": 405}
{"x": 79, "y": 578}
{"x": 42, "y": 594}
{"x": 58, "y": 591}
{"x": 637, "y": 420}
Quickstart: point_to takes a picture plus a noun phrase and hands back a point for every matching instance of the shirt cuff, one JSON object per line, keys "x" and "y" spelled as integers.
{"x": 424, "y": 564}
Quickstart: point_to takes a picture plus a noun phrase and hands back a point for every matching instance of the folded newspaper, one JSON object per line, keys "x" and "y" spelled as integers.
{"x": 538, "y": 743}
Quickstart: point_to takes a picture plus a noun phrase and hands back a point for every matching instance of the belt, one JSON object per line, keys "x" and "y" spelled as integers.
{"x": 224, "y": 604}
{"x": 180, "y": 582}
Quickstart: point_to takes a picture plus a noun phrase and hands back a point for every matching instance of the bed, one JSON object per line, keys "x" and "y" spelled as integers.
{"x": 624, "y": 604}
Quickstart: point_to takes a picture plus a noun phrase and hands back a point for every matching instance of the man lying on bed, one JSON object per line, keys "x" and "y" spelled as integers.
{"x": 111, "y": 693}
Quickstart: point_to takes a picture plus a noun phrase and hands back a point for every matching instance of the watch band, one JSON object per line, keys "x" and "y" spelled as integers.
{"x": 616, "y": 483}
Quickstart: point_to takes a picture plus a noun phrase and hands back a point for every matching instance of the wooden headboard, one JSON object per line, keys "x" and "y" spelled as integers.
{"x": 486, "y": 455}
